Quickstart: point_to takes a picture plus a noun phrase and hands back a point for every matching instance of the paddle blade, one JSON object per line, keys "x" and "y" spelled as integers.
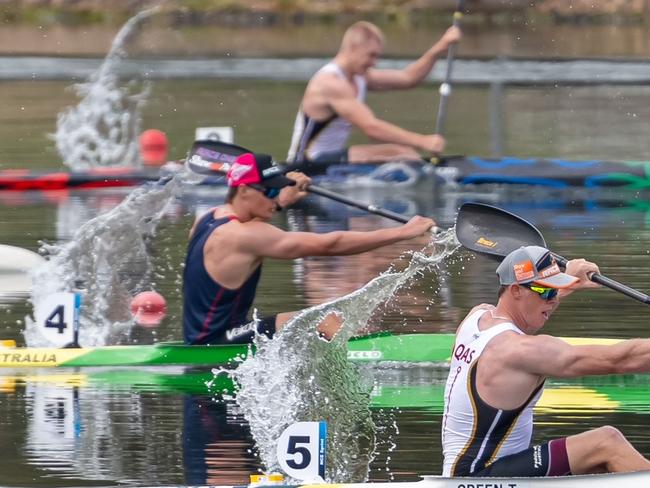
{"x": 208, "y": 157}
{"x": 493, "y": 231}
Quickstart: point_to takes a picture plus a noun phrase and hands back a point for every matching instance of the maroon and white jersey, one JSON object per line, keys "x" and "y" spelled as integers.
{"x": 475, "y": 434}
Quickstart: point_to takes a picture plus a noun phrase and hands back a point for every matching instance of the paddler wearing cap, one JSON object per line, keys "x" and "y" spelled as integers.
{"x": 228, "y": 245}
{"x": 497, "y": 373}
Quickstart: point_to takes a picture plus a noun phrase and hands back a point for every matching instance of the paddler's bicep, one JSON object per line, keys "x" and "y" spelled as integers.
{"x": 264, "y": 240}
{"x": 389, "y": 79}
{"x": 343, "y": 101}
{"x": 354, "y": 111}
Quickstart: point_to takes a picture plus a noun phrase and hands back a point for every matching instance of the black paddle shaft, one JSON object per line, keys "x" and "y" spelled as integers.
{"x": 354, "y": 203}
{"x": 496, "y": 233}
{"x": 610, "y": 283}
{"x": 445, "y": 88}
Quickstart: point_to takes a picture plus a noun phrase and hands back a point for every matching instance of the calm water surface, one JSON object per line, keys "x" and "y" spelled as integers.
{"x": 166, "y": 426}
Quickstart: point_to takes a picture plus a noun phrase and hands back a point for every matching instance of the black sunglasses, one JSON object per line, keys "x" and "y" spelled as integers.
{"x": 267, "y": 192}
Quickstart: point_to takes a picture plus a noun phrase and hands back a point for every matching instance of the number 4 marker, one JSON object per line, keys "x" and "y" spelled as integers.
{"x": 58, "y": 316}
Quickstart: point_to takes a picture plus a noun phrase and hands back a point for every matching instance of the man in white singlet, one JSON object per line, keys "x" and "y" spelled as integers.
{"x": 497, "y": 373}
{"x": 334, "y": 102}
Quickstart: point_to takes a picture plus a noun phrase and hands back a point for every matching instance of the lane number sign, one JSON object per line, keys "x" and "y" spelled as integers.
{"x": 301, "y": 450}
{"x": 57, "y": 316}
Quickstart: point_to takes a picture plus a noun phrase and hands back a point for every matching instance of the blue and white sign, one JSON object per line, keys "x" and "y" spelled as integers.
{"x": 57, "y": 316}
{"x": 301, "y": 450}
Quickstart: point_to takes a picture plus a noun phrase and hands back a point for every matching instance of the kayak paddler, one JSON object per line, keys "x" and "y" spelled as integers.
{"x": 228, "y": 246}
{"x": 498, "y": 368}
{"x": 334, "y": 103}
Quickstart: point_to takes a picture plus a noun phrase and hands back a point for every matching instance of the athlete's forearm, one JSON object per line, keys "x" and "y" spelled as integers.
{"x": 341, "y": 243}
{"x": 418, "y": 70}
{"x": 625, "y": 357}
{"x": 383, "y": 131}
{"x": 634, "y": 356}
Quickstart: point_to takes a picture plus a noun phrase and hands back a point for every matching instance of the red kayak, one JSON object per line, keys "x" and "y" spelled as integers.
{"x": 23, "y": 179}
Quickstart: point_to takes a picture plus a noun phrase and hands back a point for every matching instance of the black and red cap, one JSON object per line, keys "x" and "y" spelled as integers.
{"x": 256, "y": 168}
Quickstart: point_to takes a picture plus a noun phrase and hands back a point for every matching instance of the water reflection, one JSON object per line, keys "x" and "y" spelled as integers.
{"x": 601, "y": 205}
{"x": 74, "y": 431}
{"x": 217, "y": 445}
{"x": 158, "y": 426}
{"x": 167, "y": 426}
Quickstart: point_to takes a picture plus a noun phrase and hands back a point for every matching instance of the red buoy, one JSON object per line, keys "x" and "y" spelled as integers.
{"x": 148, "y": 308}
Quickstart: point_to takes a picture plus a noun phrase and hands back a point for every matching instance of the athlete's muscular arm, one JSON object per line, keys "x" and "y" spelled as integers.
{"x": 344, "y": 102}
{"x": 263, "y": 239}
{"x": 549, "y": 356}
{"x": 416, "y": 72}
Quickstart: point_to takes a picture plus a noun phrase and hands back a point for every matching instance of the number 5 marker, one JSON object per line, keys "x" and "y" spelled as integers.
{"x": 301, "y": 450}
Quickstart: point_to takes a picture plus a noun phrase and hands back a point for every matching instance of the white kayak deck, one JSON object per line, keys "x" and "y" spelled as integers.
{"x": 627, "y": 480}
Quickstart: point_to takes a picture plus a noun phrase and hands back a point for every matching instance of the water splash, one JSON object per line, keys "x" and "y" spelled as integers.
{"x": 299, "y": 377}
{"x": 109, "y": 255}
{"x": 102, "y": 130}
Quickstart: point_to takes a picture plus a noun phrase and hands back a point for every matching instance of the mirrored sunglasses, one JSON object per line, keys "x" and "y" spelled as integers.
{"x": 544, "y": 293}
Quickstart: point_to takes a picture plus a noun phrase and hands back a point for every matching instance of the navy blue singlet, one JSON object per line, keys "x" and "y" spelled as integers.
{"x": 209, "y": 309}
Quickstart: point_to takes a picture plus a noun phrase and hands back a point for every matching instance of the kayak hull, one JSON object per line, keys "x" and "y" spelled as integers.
{"x": 386, "y": 348}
